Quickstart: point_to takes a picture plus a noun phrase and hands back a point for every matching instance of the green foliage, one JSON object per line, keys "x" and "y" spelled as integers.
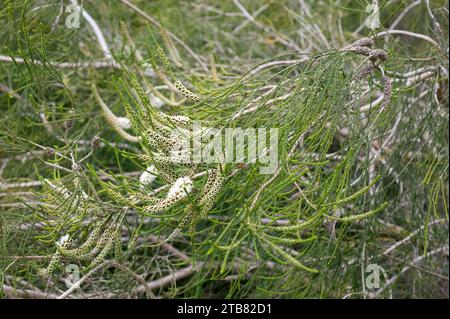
{"x": 362, "y": 147}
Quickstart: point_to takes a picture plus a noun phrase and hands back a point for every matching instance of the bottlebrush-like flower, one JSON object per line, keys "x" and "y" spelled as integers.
{"x": 179, "y": 190}
{"x": 84, "y": 248}
{"x": 185, "y": 92}
{"x": 176, "y": 119}
{"x": 211, "y": 190}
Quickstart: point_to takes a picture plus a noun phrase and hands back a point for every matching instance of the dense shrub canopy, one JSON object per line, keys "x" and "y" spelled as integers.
{"x": 92, "y": 92}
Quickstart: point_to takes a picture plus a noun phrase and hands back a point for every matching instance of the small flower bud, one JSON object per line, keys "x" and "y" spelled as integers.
{"x": 76, "y": 167}
{"x": 68, "y": 124}
{"x": 95, "y": 143}
{"x": 49, "y": 151}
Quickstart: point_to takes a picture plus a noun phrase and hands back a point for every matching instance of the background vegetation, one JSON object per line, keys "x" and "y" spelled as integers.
{"x": 363, "y": 147}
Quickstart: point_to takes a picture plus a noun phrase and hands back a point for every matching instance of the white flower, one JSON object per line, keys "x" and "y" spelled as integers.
{"x": 148, "y": 176}
{"x": 123, "y": 123}
{"x": 63, "y": 240}
{"x": 156, "y": 102}
{"x": 180, "y": 188}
